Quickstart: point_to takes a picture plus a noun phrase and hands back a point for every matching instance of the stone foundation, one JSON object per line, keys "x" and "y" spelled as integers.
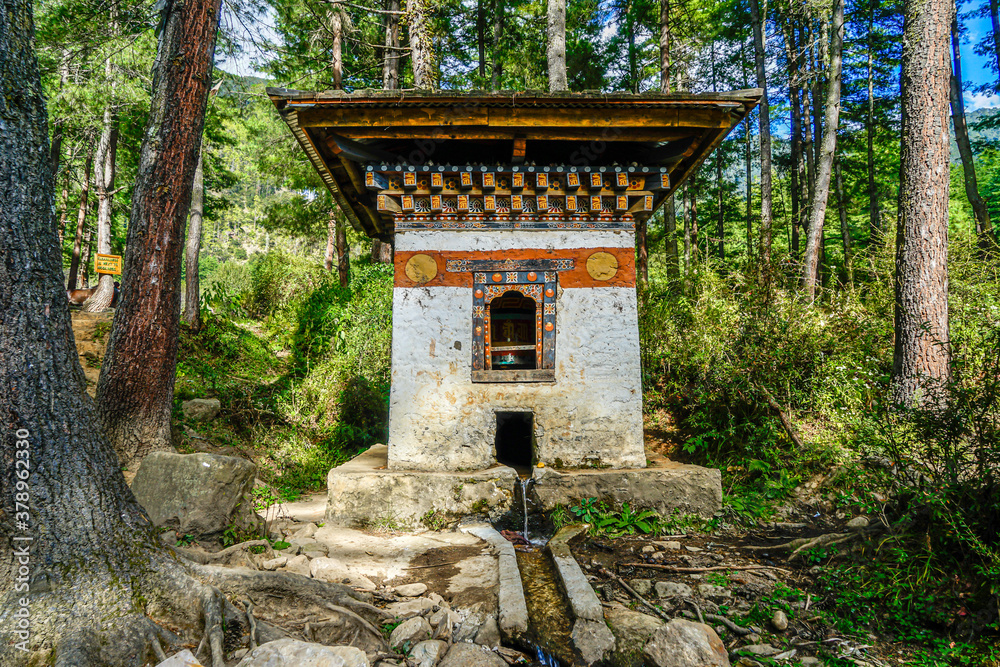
{"x": 663, "y": 486}
{"x": 363, "y": 493}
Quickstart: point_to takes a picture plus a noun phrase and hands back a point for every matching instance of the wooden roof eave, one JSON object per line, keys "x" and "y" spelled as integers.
{"x": 354, "y": 216}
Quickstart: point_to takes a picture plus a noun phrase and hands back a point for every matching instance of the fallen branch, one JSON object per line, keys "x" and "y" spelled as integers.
{"x": 631, "y": 591}
{"x": 786, "y": 423}
{"x": 674, "y": 568}
{"x": 253, "y": 625}
{"x": 735, "y": 629}
{"x": 697, "y": 610}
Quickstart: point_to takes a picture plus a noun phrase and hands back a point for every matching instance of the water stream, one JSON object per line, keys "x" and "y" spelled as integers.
{"x": 549, "y": 624}
{"x": 524, "y": 501}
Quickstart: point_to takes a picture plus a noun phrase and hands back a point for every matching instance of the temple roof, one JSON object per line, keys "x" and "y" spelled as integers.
{"x": 349, "y": 135}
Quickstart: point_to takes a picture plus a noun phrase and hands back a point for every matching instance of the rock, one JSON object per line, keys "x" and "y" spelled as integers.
{"x": 672, "y": 589}
{"x": 759, "y": 650}
{"x": 294, "y": 653}
{"x": 306, "y": 531}
{"x": 673, "y": 545}
{"x": 631, "y": 630}
{"x": 182, "y": 659}
{"x": 779, "y": 621}
{"x": 443, "y": 621}
{"x": 196, "y": 494}
{"x": 201, "y": 409}
{"x": 313, "y": 548}
{"x": 463, "y": 654}
{"x": 809, "y": 661}
{"x": 642, "y": 586}
{"x": 858, "y": 523}
{"x": 411, "y": 632}
{"x": 469, "y": 628}
{"x": 298, "y": 565}
{"x": 334, "y": 571}
{"x": 648, "y": 549}
{"x": 658, "y": 555}
{"x": 681, "y": 643}
{"x": 592, "y": 641}
{"x": 411, "y": 590}
{"x": 713, "y": 592}
{"x": 489, "y": 634}
{"x": 275, "y": 563}
{"x": 427, "y": 653}
{"x": 409, "y": 608}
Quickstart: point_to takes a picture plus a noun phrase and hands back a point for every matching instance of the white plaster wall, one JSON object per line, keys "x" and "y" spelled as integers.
{"x": 445, "y": 240}
{"x": 440, "y": 420}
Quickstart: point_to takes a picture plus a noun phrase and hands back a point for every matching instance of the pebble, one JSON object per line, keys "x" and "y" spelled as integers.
{"x": 694, "y": 549}
{"x": 657, "y": 556}
{"x": 411, "y": 590}
{"x": 673, "y": 545}
{"x": 760, "y": 650}
{"x": 858, "y": 523}
{"x": 779, "y": 621}
{"x": 671, "y": 589}
{"x": 642, "y": 586}
{"x": 648, "y": 549}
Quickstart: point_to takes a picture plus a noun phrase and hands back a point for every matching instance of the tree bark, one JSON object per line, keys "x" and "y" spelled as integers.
{"x": 685, "y": 217}
{"x": 817, "y": 209}
{"x": 336, "y": 48}
{"x": 765, "y": 138}
{"x": 343, "y": 252}
{"x": 143, "y": 348}
{"x": 382, "y": 252}
{"x": 921, "y": 355}
{"x": 81, "y": 219}
{"x": 874, "y": 214}
{"x": 421, "y": 46}
{"x": 331, "y": 241}
{"x": 481, "y": 37}
{"x": 670, "y": 237}
{"x": 664, "y": 46}
{"x": 392, "y": 55}
{"x": 749, "y": 196}
{"x": 104, "y": 185}
{"x": 496, "y": 77}
{"x": 984, "y": 228}
{"x": 995, "y": 25}
{"x": 795, "y": 123}
{"x": 192, "y": 249}
{"x": 845, "y": 229}
{"x": 556, "y": 50}
{"x": 642, "y": 252}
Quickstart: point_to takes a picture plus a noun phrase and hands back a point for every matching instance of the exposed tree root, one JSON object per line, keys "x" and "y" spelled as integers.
{"x": 168, "y": 604}
{"x": 223, "y": 556}
{"x": 674, "y": 568}
{"x": 798, "y": 546}
{"x": 621, "y": 582}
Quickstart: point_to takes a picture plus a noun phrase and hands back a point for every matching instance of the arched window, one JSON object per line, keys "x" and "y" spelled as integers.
{"x": 513, "y": 332}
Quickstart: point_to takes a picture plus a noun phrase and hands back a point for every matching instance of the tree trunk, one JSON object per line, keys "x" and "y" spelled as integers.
{"x": 143, "y": 348}
{"x": 874, "y": 215}
{"x": 984, "y": 228}
{"x": 82, "y": 530}
{"x": 642, "y": 252}
{"x": 556, "y": 50}
{"x": 795, "y": 123}
{"x": 88, "y": 258}
{"x": 192, "y": 249}
{"x": 81, "y": 219}
{"x": 765, "y": 138}
{"x": 921, "y": 354}
{"x": 382, "y": 252}
{"x": 693, "y": 214}
{"x": 481, "y": 38}
{"x": 496, "y": 77}
{"x": 685, "y": 217}
{"x": 845, "y": 229}
{"x": 392, "y": 56}
{"x": 331, "y": 241}
{"x": 421, "y": 46}
{"x": 343, "y": 252}
{"x": 749, "y": 196}
{"x": 336, "y": 49}
{"x": 817, "y": 209}
{"x": 104, "y": 185}
{"x": 721, "y": 225}
{"x": 995, "y": 24}
{"x": 670, "y": 236}
{"x": 664, "y": 46}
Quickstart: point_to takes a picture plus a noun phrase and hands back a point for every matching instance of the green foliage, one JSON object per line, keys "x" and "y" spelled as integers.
{"x": 625, "y": 521}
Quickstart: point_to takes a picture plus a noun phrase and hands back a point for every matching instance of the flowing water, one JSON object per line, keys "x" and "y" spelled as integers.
{"x": 524, "y": 501}
{"x": 549, "y": 624}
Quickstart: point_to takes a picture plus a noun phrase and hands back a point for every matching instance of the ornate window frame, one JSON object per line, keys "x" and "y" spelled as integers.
{"x": 535, "y": 279}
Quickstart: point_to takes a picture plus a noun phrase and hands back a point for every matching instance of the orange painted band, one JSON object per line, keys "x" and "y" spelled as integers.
{"x": 575, "y": 277}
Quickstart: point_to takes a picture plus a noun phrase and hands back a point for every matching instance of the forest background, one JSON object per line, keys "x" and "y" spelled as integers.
{"x": 773, "y": 387}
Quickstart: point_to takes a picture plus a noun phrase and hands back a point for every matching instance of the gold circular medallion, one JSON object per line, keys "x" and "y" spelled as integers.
{"x": 602, "y": 266}
{"x": 421, "y": 269}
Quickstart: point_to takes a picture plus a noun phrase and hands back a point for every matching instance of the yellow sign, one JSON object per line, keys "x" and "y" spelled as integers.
{"x": 108, "y": 264}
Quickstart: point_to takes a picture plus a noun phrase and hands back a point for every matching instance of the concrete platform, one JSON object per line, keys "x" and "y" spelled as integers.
{"x": 664, "y": 486}
{"x": 362, "y": 493}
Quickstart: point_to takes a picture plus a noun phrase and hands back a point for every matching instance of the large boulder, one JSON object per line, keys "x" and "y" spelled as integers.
{"x": 294, "y": 653}
{"x": 463, "y": 654}
{"x": 631, "y": 630}
{"x": 201, "y": 409}
{"x": 196, "y": 494}
{"x": 681, "y": 643}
